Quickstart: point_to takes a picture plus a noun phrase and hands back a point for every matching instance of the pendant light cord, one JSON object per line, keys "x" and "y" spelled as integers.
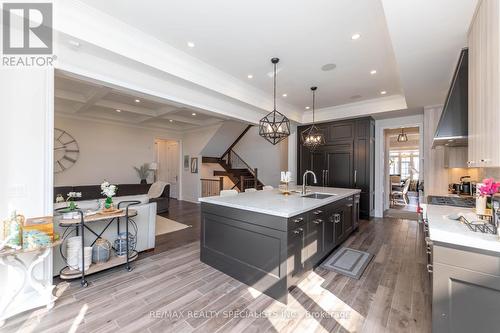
{"x": 314, "y": 93}
{"x": 274, "y": 95}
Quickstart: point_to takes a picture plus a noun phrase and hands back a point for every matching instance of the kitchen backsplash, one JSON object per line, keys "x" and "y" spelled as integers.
{"x": 454, "y": 174}
{"x": 489, "y": 173}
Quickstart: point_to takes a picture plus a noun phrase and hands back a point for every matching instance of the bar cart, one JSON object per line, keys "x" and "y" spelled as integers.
{"x": 79, "y": 225}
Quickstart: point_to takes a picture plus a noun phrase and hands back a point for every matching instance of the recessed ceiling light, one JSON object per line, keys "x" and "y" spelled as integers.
{"x": 373, "y": 72}
{"x": 355, "y": 36}
{"x": 250, "y": 76}
{"x": 137, "y": 100}
{"x": 193, "y": 114}
{"x": 383, "y": 92}
{"x": 190, "y": 44}
{"x": 307, "y": 107}
{"x": 118, "y": 110}
{"x": 328, "y": 67}
{"x": 171, "y": 120}
{"x": 284, "y": 95}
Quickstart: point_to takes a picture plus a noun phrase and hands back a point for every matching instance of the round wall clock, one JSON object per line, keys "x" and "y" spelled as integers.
{"x": 66, "y": 150}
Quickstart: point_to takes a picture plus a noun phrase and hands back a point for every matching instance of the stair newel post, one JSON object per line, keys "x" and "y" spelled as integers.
{"x": 255, "y": 181}
{"x": 221, "y": 183}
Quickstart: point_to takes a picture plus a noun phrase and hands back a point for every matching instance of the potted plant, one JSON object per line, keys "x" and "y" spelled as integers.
{"x": 71, "y": 199}
{"x": 143, "y": 172}
{"x": 109, "y": 191}
{"x": 483, "y": 194}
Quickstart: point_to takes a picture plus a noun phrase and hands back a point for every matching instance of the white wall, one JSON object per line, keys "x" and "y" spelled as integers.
{"x": 26, "y": 136}
{"x": 108, "y": 151}
{"x": 193, "y": 142}
{"x": 380, "y": 170}
{"x": 260, "y": 154}
{"x": 436, "y": 179}
{"x": 227, "y": 133}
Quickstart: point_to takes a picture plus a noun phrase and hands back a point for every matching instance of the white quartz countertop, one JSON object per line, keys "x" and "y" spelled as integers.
{"x": 445, "y": 230}
{"x": 277, "y": 204}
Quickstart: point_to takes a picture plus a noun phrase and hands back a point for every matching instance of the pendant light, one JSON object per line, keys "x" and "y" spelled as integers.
{"x": 402, "y": 137}
{"x": 275, "y": 127}
{"x": 313, "y": 137}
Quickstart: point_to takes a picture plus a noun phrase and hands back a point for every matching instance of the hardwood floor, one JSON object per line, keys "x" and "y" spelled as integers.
{"x": 183, "y": 212}
{"x": 174, "y": 292}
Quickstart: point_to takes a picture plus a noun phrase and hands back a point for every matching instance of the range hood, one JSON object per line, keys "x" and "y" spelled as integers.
{"x": 452, "y": 129}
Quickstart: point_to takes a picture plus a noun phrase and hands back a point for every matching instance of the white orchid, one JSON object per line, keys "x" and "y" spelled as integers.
{"x": 104, "y": 185}
{"x": 108, "y": 190}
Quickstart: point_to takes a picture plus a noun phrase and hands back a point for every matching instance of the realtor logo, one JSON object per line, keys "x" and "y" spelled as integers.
{"x": 27, "y": 28}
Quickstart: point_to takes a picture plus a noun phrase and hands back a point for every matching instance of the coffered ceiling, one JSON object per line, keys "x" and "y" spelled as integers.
{"x": 81, "y": 98}
{"x": 411, "y": 44}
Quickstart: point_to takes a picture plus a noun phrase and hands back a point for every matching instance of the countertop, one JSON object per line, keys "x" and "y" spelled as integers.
{"x": 277, "y": 204}
{"x": 447, "y": 231}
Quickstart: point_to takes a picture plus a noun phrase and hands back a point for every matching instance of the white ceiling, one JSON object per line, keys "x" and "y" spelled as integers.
{"x": 84, "y": 99}
{"x": 427, "y": 36}
{"x": 415, "y": 42}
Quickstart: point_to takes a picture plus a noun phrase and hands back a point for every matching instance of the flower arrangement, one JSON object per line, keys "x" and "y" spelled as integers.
{"x": 109, "y": 191}
{"x": 70, "y": 199}
{"x": 488, "y": 187}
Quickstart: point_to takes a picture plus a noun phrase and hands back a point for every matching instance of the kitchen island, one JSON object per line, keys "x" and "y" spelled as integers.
{"x": 464, "y": 268}
{"x": 268, "y": 240}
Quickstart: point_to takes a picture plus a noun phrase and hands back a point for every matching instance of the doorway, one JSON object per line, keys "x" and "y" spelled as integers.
{"x": 168, "y": 159}
{"x": 402, "y": 169}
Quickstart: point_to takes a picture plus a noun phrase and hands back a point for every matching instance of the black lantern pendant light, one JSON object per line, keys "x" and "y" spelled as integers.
{"x": 402, "y": 137}
{"x": 274, "y": 127}
{"x": 313, "y": 137}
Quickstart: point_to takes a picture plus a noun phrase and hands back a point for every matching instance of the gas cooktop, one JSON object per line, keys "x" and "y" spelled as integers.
{"x": 465, "y": 202}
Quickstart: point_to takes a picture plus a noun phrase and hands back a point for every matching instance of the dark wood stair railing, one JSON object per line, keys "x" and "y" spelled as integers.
{"x": 235, "y": 168}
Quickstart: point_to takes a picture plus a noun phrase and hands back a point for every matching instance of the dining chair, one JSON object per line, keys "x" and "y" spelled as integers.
{"x": 250, "y": 190}
{"x": 403, "y": 194}
{"x": 228, "y": 193}
{"x": 267, "y": 188}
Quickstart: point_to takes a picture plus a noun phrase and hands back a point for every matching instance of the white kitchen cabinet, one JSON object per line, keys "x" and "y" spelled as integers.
{"x": 484, "y": 85}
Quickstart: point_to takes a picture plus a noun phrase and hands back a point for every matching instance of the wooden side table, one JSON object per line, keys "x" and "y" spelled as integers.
{"x": 26, "y": 291}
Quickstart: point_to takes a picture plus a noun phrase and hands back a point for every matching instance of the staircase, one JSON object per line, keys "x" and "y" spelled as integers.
{"x": 235, "y": 168}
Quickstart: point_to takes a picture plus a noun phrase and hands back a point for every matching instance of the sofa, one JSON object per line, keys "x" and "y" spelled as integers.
{"x": 145, "y": 221}
{"x": 92, "y": 192}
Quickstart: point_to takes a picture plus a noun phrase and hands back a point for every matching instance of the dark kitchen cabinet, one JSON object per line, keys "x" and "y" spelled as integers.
{"x": 339, "y": 164}
{"x": 347, "y": 217}
{"x": 347, "y": 159}
{"x": 315, "y": 236}
{"x": 329, "y": 230}
{"x": 355, "y": 212}
{"x": 296, "y": 253}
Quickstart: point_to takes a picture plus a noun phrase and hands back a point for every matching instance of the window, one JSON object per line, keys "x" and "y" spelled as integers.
{"x": 394, "y": 164}
{"x": 405, "y": 163}
{"x": 405, "y": 167}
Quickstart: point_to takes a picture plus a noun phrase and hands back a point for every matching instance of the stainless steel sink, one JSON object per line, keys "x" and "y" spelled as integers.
{"x": 318, "y": 196}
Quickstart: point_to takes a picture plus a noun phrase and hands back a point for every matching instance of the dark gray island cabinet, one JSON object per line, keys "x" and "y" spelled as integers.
{"x": 271, "y": 252}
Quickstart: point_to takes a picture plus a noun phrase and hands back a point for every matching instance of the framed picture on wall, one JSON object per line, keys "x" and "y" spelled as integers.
{"x": 194, "y": 164}
{"x": 186, "y": 162}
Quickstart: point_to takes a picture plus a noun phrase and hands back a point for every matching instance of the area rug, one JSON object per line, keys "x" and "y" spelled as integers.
{"x": 348, "y": 262}
{"x": 166, "y": 226}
